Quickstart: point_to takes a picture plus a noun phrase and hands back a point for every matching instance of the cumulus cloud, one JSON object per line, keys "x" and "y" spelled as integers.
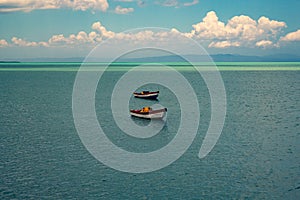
{"x": 24, "y": 43}
{"x": 102, "y": 30}
{"x": 57, "y": 39}
{"x": 43, "y": 44}
{"x": 293, "y": 36}
{"x": 271, "y": 26}
{"x": 29, "y": 5}
{"x": 138, "y": 36}
{"x": 98, "y": 34}
{"x": 75, "y": 39}
{"x": 120, "y": 10}
{"x": 21, "y": 42}
{"x": 3, "y": 43}
{"x": 239, "y": 30}
{"x": 224, "y": 44}
{"x": 264, "y": 43}
{"x": 209, "y": 28}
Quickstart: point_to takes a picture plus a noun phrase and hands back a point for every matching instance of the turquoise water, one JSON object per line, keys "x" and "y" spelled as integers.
{"x": 182, "y": 66}
{"x": 256, "y": 157}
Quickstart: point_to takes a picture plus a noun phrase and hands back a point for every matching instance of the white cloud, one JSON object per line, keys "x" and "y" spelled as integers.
{"x": 57, "y": 39}
{"x": 80, "y": 38}
{"x": 268, "y": 25}
{"x": 87, "y": 4}
{"x": 120, "y": 10}
{"x": 239, "y": 30}
{"x": 43, "y": 44}
{"x": 141, "y": 35}
{"x": 3, "y": 43}
{"x": 209, "y": 28}
{"x": 264, "y": 43}
{"x": 224, "y": 44}
{"x": 93, "y": 36}
{"x": 102, "y": 30}
{"x": 242, "y": 27}
{"x": 29, "y": 5}
{"x": 293, "y": 36}
{"x": 194, "y": 2}
{"x": 100, "y": 33}
{"x": 21, "y": 42}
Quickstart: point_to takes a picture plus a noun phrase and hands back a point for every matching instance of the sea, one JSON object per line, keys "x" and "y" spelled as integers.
{"x": 257, "y": 155}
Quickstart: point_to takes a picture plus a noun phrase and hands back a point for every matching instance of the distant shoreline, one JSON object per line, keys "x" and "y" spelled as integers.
{"x": 167, "y": 58}
{"x": 218, "y": 63}
{"x": 10, "y": 61}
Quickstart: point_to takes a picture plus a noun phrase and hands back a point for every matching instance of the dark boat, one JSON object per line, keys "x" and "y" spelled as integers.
{"x": 146, "y": 94}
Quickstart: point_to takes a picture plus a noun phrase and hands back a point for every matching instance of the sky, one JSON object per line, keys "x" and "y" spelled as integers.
{"x": 72, "y": 28}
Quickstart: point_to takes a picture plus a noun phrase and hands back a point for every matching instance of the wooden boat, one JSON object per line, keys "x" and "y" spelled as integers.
{"x": 149, "y": 113}
{"x": 146, "y": 94}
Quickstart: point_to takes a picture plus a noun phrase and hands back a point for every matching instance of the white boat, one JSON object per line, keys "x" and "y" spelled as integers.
{"x": 148, "y": 113}
{"x": 146, "y": 94}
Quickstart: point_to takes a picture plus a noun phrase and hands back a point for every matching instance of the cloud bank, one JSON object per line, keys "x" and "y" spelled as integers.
{"x": 239, "y": 31}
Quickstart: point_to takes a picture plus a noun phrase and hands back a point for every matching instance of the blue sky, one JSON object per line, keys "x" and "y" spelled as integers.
{"x": 32, "y": 28}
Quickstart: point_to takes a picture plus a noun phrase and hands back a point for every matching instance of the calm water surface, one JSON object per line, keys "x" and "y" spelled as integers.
{"x": 256, "y": 157}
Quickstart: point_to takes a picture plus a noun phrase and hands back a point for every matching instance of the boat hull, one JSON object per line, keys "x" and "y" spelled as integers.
{"x": 155, "y": 114}
{"x": 149, "y": 95}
